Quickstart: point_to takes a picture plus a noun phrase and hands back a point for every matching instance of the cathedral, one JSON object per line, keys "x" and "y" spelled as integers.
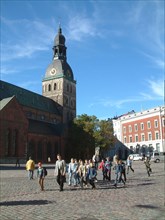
{"x": 36, "y": 125}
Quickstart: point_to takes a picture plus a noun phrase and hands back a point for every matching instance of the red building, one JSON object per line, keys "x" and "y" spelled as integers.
{"x": 142, "y": 129}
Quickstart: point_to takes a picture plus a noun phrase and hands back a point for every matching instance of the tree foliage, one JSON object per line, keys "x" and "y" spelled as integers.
{"x": 86, "y": 133}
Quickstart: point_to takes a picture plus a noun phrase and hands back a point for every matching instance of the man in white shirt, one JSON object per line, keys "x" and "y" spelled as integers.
{"x": 60, "y": 171}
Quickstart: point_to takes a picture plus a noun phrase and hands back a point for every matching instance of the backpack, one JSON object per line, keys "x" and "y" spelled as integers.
{"x": 45, "y": 171}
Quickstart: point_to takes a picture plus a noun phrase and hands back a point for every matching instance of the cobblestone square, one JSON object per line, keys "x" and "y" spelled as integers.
{"x": 142, "y": 198}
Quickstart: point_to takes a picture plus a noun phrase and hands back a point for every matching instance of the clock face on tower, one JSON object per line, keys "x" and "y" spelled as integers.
{"x": 53, "y": 71}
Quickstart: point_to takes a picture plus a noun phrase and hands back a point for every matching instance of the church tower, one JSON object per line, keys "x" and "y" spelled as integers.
{"x": 58, "y": 83}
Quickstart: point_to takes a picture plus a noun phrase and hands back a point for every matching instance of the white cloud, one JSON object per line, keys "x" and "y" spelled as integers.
{"x": 80, "y": 27}
{"x": 157, "y": 87}
{"x": 7, "y": 70}
{"x": 155, "y": 92}
{"x": 147, "y": 20}
{"x": 28, "y": 38}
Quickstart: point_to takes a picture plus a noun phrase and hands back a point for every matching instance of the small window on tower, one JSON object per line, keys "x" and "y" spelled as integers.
{"x": 49, "y": 87}
{"x": 55, "y": 86}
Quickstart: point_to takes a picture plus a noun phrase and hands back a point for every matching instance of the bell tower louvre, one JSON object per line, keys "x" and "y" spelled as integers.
{"x": 58, "y": 83}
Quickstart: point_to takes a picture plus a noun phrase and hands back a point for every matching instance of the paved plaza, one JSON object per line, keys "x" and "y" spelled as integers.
{"x": 142, "y": 198}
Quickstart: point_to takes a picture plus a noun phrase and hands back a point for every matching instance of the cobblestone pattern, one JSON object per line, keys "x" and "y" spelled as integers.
{"x": 142, "y": 198}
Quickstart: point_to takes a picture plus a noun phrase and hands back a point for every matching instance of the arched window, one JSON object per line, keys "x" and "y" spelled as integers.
{"x": 39, "y": 151}
{"x": 7, "y": 141}
{"x": 49, "y": 87}
{"x": 15, "y": 143}
{"x": 31, "y": 149}
{"x": 55, "y": 86}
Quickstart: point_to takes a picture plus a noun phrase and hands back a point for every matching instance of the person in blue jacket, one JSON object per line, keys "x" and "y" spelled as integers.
{"x": 92, "y": 173}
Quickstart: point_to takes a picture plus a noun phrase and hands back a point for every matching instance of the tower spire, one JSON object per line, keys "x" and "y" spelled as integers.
{"x": 59, "y": 47}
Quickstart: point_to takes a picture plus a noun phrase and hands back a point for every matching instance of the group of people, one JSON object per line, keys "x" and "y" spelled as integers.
{"x": 82, "y": 172}
{"x": 119, "y": 167}
{"x": 85, "y": 172}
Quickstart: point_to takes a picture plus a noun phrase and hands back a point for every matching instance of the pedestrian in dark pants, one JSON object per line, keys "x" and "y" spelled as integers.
{"x": 129, "y": 165}
{"x": 147, "y": 163}
{"x": 92, "y": 173}
{"x": 41, "y": 176}
{"x": 95, "y": 160}
{"x": 17, "y": 162}
{"x": 117, "y": 172}
{"x": 60, "y": 172}
{"x": 122, "y": 172}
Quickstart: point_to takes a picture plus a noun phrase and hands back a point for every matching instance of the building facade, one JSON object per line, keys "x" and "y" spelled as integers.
{"x": 36, "y": 125}
{"x": 144, "y": 129}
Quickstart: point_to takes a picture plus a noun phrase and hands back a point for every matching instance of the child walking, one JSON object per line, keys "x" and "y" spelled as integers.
{"x": 41, "y": 175}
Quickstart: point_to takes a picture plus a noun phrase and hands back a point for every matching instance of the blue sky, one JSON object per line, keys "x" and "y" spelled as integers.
{"x": 115, "y": 49}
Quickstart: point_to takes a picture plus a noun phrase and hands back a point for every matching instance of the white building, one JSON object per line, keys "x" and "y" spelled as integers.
{"x": 146, "y": 128}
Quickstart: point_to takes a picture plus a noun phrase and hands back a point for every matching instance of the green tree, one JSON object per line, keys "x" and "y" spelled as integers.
{"x": 86, "y": 133}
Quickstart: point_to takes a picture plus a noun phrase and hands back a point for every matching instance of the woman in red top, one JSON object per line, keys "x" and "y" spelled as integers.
{"x": 102, "y": 166}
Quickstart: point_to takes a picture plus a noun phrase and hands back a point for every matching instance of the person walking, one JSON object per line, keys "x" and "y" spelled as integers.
{"x": 92, "y": 173}
{"x": 95, "y": 160}
{"x": 82, "y": 174}
{"x": 117, "y": 172}
{"x": 129, "y": 164}
{"x": 41, "y": 175}
{"x": 121, "y": 168}
{"x": 75, "y": 172}
{"x": 30, "y": 166}
{"x": 108, "y": 165}
{"x": 71, "y": 173}
{"x": 147, "y": 164}
{"x": 102, "y": 167}
{"x": 17, "y": 162}
{"x": 123, "y": 173}
{"x": 60, "y": 171}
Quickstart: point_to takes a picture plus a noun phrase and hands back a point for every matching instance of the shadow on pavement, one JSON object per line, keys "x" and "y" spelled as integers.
{"x": 147, "y": 206}
{"x": 29, "y": 202}
{"x": 87, "y": 218}
{"x": 21, "y": 167}
{"x": 145, "y": 184}
{"x": 3, "y": 167}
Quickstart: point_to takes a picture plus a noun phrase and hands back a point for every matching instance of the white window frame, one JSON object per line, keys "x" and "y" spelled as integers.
{"x": 157, "y": 135}
{"x": 136, "y": 138}
{"x": 149, "y": 136}
{"x": 136, "y": 127}
{"x": 156, "y": 123}
{"x": 130, "y": 129}
{"x": 142, "y": 126}
{"x": 142, "y": 135}
{"x": 148, "y": 124}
